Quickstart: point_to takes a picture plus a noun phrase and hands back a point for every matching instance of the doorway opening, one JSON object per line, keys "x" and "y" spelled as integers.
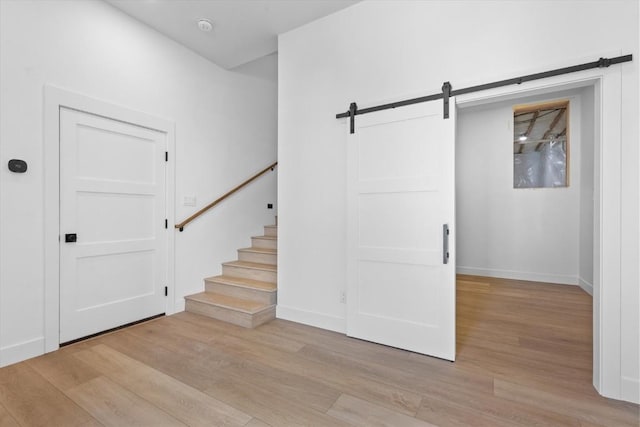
{"x": 517, "y": 245}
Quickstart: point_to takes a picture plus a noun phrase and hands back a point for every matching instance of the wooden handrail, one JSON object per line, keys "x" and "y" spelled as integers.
{"x": 181, "y": 225}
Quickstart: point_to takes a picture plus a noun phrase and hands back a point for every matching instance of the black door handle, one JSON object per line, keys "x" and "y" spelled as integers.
{"x": 445, "y": 243}
{"x": 70, "y": 238}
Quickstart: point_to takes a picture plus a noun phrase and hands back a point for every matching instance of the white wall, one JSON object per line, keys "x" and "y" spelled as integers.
{"x": 525, "y": 234}
{"x": 383, "y": 51}
{"x": 587, "y": 176}
{"x": 225, "y": 126}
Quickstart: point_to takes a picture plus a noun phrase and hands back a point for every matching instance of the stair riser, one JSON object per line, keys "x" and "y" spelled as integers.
{"x": 231, "y": 316}
{"x": 270, "y": 230}
{"x": 263, "y": 317}
{"x": 258, "y": 242}
{"x": 249, "y": 273}
{"x": 241, "y": 292}
{"x": 258, "y": 257}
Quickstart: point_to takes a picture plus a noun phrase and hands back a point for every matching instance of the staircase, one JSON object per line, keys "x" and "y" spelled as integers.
{"x": 245, "y": 294}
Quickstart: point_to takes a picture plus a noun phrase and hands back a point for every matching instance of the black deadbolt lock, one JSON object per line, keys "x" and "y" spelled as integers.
{"x": 70, "y": 238}
{"x": 17, "y": 166}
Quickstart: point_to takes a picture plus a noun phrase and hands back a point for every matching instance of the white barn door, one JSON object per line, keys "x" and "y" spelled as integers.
{"x": 401, "y": 192}
{"x": 113, "y": 243}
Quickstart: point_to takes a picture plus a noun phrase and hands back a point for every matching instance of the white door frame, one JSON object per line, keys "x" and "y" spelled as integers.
{"x": 54, "y": 99}
{"x": 607, "y": 228}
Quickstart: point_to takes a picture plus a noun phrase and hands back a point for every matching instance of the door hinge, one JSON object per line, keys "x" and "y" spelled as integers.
{"x": 166, "y": 223}
{"x": 166, "y": 156}
{"x": 166, "y": 291}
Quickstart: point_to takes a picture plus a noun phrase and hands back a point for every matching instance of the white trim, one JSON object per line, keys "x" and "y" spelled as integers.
{"x": 606, "y": 302}
{"x": 171, "y": 219}
{"x": 54, "y": 99}
{"x": 586, "y": 286}
{"x": 24, "y": 350}
{"x": 630, "y": 389}
{"x": 178, "y": 305}
{"x": 1, "y": 186}
{"x": 608, "y": 321}
{"x": 312, "y": 318}
{"x": 559, "y": 279}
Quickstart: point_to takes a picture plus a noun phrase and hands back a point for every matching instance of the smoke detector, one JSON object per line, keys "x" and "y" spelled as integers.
{"x": 205, "y": 25}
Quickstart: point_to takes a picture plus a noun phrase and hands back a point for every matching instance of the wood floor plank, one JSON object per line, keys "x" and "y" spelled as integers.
{"x": 63, "y": 370}
{"x": 183, "y": 402}
{"x": 115, "y": 406}
{"x": 360, "y": 412}
{"x": 597, "y": 410}
{"x": 255, "y": 422}
{"x": 301, "y": 389}
{"x": 590, "y": 424}
{"x": 447, "y": 413}
{"x": 484, "y": 402}
{"x": 332, "y": 375}
{"x": 6, "y": 420}
{"x": 407, "y": 375}
{"x": 560, "y": 368}
{"x": 197, "y": 370}
{"x": 33, "y": 401}
{"x": 169, "y": 327}
{"x": 255, "y": 335}
{"x": 270, "y": 407}
{"x": 303, "y": 333}
{"x": 363, "y": 356}
{"x": 444, "y": 383}
{"x": 564, "y": 346}
{"x": 298, "y": 388}
{"x": 523, "y": 359}
{"x": 534, "y": 379}
{"x": 178, "y": 340}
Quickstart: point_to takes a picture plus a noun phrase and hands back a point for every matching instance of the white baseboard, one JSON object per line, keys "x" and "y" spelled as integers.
{"x": 560, "y": 279}
{"x": 178, "y": 306}
{"x": 311, "y": 318}
{"x": 630, "y": 389}
{"x": 586, "y": 286}
{"x": 22, "y": 351}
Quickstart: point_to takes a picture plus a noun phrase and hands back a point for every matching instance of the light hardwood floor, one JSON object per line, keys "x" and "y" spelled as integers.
{"x": 523, "y": 358}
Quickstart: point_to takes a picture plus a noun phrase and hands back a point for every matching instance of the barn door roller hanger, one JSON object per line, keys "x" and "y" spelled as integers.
{"x": 447, "y": 91}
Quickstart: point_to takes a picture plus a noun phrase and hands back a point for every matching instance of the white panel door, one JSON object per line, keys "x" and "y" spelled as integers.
{"x": 113, "y": 198}
{"x": 401, "y": 191}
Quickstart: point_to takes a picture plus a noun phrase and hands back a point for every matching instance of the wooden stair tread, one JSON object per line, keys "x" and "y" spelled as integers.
{"x": 238, "y": 304}
{"x": 252, "y": 265}
{"x": 246, "y": 283}
{"x": 245, "y": 294}
{"x": 259, "y": 250}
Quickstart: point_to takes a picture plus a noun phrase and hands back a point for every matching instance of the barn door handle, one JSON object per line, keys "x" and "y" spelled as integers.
{"x": 445, "y": 243}
{"x": 70, "y": 238}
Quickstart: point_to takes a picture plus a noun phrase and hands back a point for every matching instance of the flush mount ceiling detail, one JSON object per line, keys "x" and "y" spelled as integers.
{"x": 243, "y": 30}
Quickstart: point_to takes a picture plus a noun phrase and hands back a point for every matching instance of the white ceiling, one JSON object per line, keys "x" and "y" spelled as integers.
{"x": 244, "y": 30}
